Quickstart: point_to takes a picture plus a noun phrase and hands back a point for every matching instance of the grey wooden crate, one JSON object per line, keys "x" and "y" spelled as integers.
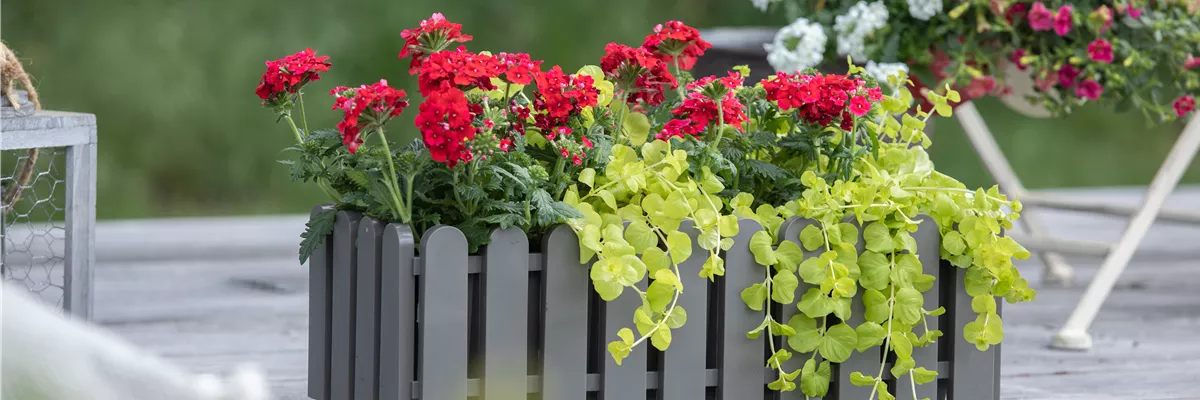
{"x": 393, "y": 319}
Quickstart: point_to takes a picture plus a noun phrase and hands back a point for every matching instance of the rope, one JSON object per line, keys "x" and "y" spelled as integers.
{"x": 11, "y": 71}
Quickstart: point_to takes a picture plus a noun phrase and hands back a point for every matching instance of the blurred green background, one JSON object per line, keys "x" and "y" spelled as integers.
{"x": 181, "y": 131}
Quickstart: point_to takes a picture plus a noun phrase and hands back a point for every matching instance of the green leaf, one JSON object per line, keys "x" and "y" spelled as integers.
{"x": 878, "y": 238}
{"x": 905, "y": 241}
{"x": 902, "y": 366}
{"x": 677, "y": 318}
{"x": 642, "y": 321}
{"x": 812, "y": 270}
{"x": 844, "y": 287}
{"x": 838, "y": 343}
{"x": 714, "y": 266}
{"x": 661, "y": 339}
{"x": 655, "y": 259}
{"x": 754, "y": 296}
{"x": 858, "y": 379}
{"x": 640, "y": 236}
{"x": 923, "y": 376}
{"x": 978, "y": 282}
{"x": 660, "y": 294}
{"x": 953, "y": 243}
{"x": 789, "y": 255}
{"x": 667, "y": 277}
{"x": 637, "y": 127}
{"x": 908, "y": 305}
{"x": 812, "y": 238}
{"x": 841, "y": 308}
{"x": 608, "y": 198}
{"x": 901, "y": 346}
{"x": 757, "y": 331}
{"x": 807, "y": 337}
{"x": 760, "y": 246}
{"x": 728, "y": 225}
{"x": 882, "y": 388}
{"x": 814, "y": 303}
{"x": 783, "y": 287}
{"x": 680, "y": 246}
{"x": 587, "y": 177}
{"x": 875, "y": 270}
{"x": 315, "y": 231}
{"x": 876, "y": 306}
{"x": 626, "y": 336}
{"x": 849, "y": 233}
{"x": 870, "y": 334}
{"x": 619, "y": 350}
{"x": 983, "y": 304}
{"x": 814, "y": 379}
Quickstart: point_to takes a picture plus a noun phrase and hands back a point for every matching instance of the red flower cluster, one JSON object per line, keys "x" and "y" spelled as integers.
{"x": 637, "y": 72}
{"x": 459, "y": 68}
{"x": 1184, "y": 105}
{"x": 820, "y": 98}
{"x": 700, "y": 109}
{"x": 289, "y": 74}
{"x": 1100, "y": 50}
{"x": 378, "y": 100}
{"x": 431, "y": 36}
{"x": 675, "y": 41}
{"x": 445, "y": 123}
{"x": 560, "y": 95}
{"x": 519, "y": 68}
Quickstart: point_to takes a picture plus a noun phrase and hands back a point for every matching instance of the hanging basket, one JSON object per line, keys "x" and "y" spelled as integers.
{"x": 1022, "y": 85}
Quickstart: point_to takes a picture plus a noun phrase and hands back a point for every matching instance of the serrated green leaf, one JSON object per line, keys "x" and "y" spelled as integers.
{"x": 870, "y": 334}
{"x": 807, "y": 337}
{"x": 316, "y": 230}
{"x": 838, "y": 343}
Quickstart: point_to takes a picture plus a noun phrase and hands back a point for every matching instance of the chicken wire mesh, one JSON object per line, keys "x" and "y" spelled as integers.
{"x": 33, "y": 252}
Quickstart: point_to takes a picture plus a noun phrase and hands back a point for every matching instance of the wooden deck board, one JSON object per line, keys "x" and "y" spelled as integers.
{"x": 211, "y": 315}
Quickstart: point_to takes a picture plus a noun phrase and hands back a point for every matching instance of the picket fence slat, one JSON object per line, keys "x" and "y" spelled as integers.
{"x": 505, "y": 313}
{"x": 345, "y": 280}
{"x": 366, "y": 331}
{"x": 398, "y": 314}
{"x": 443, "y": 303}
{"x": 741, "y": 360}
{"x": 928, "y": 252}
{"x": 393, "y": 323}
{"x": 867, "y": 362}
{"x": 565, "y": 325}
{"x": 319, "y": 308}
{"x": 683, "y": 364}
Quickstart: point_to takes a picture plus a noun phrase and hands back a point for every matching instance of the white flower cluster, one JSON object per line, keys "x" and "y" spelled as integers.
{"x": 798, "y": 46}
{"x": 853, "y": 28}
{"x": 764, "y": 4}
{"x": 881, "y": 71}
{"x": 923, "y": 9}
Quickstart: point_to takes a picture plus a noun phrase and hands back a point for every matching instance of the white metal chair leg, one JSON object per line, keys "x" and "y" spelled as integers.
{"x": 1057, "y": 269}
{"x": 1074, "y": 334}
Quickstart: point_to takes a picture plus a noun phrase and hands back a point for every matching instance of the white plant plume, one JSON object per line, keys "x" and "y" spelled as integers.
{"x": 47, "y": 356}
{"x": 856, "y": 25}
{"x": 798, "y": 46}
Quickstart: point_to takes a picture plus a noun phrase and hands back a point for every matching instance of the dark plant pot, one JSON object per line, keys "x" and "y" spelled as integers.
{"x": 395, "y": 319}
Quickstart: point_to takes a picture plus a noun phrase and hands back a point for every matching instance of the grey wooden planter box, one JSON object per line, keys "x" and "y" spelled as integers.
{"x": 393, "y": 319}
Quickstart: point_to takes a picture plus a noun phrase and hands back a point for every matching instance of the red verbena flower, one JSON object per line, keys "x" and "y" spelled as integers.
{"x": 505, "y": 144}
{"x": 1067, "y": 75}
{"x": 676, "y": 42}
{"x": 559, "y": 96}
{"x": 859, "y": 106}
{"x": 1063, "y": 20}
{"x": 820, "y": 99}
{"x": 378, "y": 100}
{"x": 519, "y": 68}
{"x": 679, "y": 128}
{"x": 459, "y": 68}
{"x": 1089, "y": 89}
{"x": 1040, "y": 17}
{"x": 1015, "y": 12}
{"x": 287, "y": 75}
{"x": 637, "y": 73}
{"x": 1184, "y": 104}
{"x": 433, "y": 35}
{"x": 445, "y": 124}
{"x": 1100, "y": 50}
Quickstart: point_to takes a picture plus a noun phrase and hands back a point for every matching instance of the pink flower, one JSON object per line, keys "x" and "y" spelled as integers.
{"x": 1045, "y": 80}
{"x": 1102, "y": 16}
{"x": 1191, "y": 62}
{"x": 1184, "y": 104}
{"x": 1067, "y": 75}
{"x": 1016, "y": 56}
{"x": 506, "y": 144}
{"x": 1089, "y": 89}
{"x": 1063, "y": 20}
{"x": 980, "y": 87}
{"x": 1133, "y": 12}
{"x": 1100, "y": 50}
{"x": 1040, "y": 17}
{"x": 874, "y": 94}
{"x": 859, "y": 106}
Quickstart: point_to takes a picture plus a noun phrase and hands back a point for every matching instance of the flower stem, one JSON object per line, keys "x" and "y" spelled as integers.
{"x": 295, "y": 130}
{"x": 678, "y": 73}
{"x": 620, "y": 125}
{"x": 393, "y": 179}
{"x": 300, "y": 140}
{"x": 720, "y": 123}
{"x": 303, "y": 115}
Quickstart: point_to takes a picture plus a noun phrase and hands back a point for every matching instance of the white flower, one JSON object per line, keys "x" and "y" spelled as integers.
{"x": 798, "y": 46}
{"x": 881, "y": 71}
{"x": 859, "y": 22}
{"x": 762, "y": 4}
{"x": 924, "y": 9}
